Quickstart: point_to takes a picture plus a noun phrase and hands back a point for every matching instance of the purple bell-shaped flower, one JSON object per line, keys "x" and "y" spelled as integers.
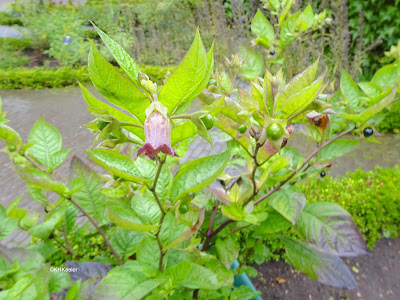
{"x": 157, "y": 131}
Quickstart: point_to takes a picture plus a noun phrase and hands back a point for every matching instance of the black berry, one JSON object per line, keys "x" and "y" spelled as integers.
{"x": 272, "y": 52}
{"x": 51, "y": 236}
{"x": 368, "y": 132}
{"x": 45, "y": 209}
{"x": 322, "y": 174}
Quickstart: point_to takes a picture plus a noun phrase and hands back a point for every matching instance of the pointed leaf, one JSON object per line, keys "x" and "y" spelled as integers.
{"x": 198, "y": 174}
{"x": 289, "y": 203}
{"x": 349, "y": 89}
{"x": 263, "y": 28}
{"x": 336, "y": 149}
{"x": 325, "y": 268}
{"x": 117, "y": 164}
{"x": 124, "y": 60}
{"x": 89, "y": 196}
{"x": 47, "y": 141}
{"x": 182, "y": 86}
{"x": 228, "y": 251}
{"x": 331, "y": 229}
{"x": 115, "y": 87}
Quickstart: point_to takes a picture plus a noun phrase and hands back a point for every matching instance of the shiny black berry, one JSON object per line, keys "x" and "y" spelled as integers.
{"x": 51, "y": 236}
{"x": 272, "y": 52}
{"x": 322, "y": 174}
{"x": 46, "y": 210}
{"x": 368, "y": 132}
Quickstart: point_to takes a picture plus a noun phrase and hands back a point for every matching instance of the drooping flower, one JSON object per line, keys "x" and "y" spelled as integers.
{"x": 157, "y": 131}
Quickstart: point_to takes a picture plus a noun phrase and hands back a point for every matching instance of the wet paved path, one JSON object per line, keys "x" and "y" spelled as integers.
{"x": 66, "y": 110}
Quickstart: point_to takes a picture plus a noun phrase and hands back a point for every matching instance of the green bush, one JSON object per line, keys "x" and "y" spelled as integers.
{"x": 10, "y": 59}
{"x": 372, "y": 198}
{"x": 391, "y": 122}
{"x": 15, "y": 44}
{"x": 7, "y": 19}
{"x": 41, "y": 78}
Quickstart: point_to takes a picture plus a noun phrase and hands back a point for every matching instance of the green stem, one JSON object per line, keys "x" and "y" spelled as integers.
{"x": 163, "y": 213}
{"x": 94, "y": 223}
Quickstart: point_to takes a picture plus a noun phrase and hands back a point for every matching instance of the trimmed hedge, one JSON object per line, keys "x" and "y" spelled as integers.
{"x": 7, "y": 19}
{"x": 372, "y": 198}
{"x": 41, "y": 78}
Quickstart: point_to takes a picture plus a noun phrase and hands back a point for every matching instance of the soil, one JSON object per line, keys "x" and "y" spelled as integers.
{"x": 377, "y": 275}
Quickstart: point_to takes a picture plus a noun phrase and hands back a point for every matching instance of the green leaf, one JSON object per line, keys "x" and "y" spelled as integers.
{"x": 89, "y": 196}
{"x": 349, "y": 89}
{"x": 146, "y": 208}
{"x": 378, "y": 107}
{"x": 93, "y": 102}
{"x": 19, "y": 288}
{"x": 124, "y": 216}
{"x": 297, "y": 84}
{"x": 187, "y": 234}
{"x": 336, "y": 149}
{"x": 59, "y": 281}
{"x": 182, "y": 132}
{"x": 47, "y": 141}
{"x": 201, "y": 129}
{"x": 202, "y": 85}
{"x": 262, "y": 28}
{"x": 299, "y": 101}
{"x": 7, "y": 225}
{"x": 120, "y": 281}
{"x": 144, "y": 288}
{"x": 182, "y": 86}
{"x": 198, "y": 174}
{"x": 243, "y": 292}
{"x": 287, "y": 37}
{"x": 330, "y": 228}
{"x": 58, "y": 158}
{"x": 126, "y": 242}
{"x": 148, "y": 253}
{"x": 274, "y": 223}
{"x": 254, "y": 63}
{"x": 228, "y": 251}
{"x": 117, "y": 164}
{"x": 10, "y": 136}
{"x": 370, "y": 89}
{"x": 115, "y": 87}
{"x": 44, "y": 229}
{"x": 387, "y": 76}
{"x": 289, "y": 203}
{"x": 40, "y": 179}
{"x": 325, "y": 268}
{"x": 189, "y": 275}
{"x": 124, "y": 60}
{"x": 148, "y": 169}
{"x": 171, "y": 230}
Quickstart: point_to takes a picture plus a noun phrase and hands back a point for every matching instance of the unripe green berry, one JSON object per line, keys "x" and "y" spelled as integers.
{"x": 12, "y": 148}
{"x": 212, "y": 82}
{"x": 208, "y": 121}
{"x": 101, "y": 124}
{"x": 274, "y": 131}
{"x": 242, "y": 128}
